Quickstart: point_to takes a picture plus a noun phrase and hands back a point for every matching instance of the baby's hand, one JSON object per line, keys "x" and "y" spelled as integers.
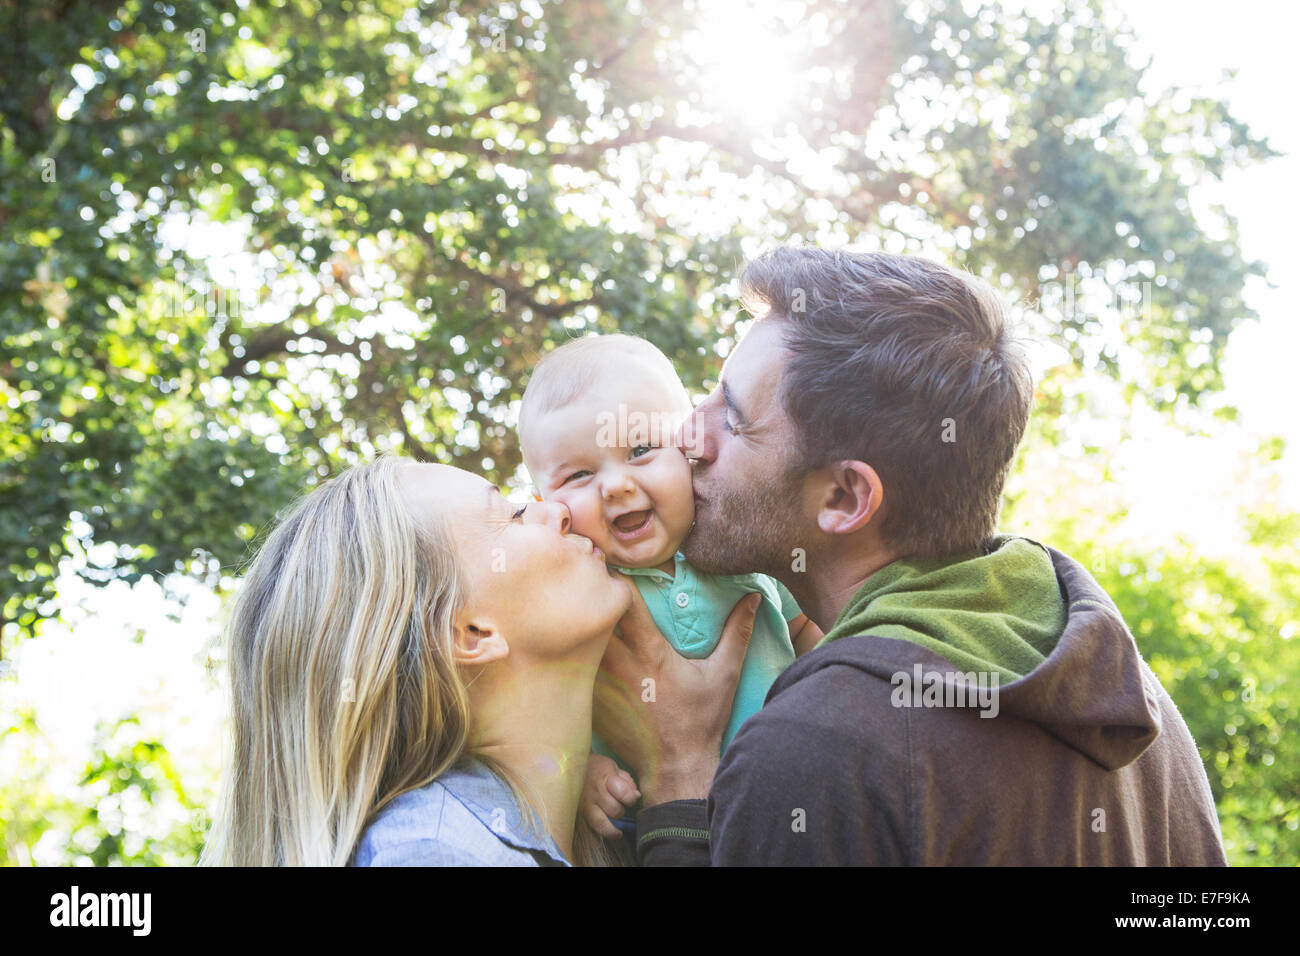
{"x": 607, "y": 792}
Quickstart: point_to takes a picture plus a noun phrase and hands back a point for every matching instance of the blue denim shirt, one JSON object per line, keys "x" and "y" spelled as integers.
{"x": 466, "y": 817}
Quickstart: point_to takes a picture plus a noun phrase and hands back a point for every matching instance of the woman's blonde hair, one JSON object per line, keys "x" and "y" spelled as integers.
{"x": 345, "y": 690}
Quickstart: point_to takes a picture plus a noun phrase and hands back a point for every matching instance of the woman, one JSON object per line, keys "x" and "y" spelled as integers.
{"x": 412, "y": 661}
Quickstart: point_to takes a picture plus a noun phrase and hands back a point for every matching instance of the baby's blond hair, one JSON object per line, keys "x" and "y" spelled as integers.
{"x": 564, "y": 374}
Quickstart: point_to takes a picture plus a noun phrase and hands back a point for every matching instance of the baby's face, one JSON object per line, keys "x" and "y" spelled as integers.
{"x": 609, "y": 457}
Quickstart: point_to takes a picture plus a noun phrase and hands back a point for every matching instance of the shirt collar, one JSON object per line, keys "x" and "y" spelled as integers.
{"x": 652, "y": 572}
{"x": 493, "y": 804}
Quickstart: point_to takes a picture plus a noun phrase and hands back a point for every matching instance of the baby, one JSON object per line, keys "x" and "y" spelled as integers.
{"x": 596, "y": 427}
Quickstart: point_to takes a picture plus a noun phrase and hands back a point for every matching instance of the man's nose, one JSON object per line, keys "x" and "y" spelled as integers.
{"x": 558, "y": 517}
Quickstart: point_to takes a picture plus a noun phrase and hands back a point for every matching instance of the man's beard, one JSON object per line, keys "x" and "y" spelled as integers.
{"x": 745, "y": 530}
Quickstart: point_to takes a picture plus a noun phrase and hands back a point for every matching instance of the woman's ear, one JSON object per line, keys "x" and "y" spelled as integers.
{"x": 478, "y": 643}
{"x": 853, "y": 497}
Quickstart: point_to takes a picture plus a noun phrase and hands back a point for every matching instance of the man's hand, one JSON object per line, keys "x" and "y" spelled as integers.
{"x": 665, "y": 714}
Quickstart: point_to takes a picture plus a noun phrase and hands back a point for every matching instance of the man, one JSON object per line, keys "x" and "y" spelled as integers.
{"x": 978, "y": 700}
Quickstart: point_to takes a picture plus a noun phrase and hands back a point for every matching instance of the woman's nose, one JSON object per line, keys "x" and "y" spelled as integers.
{"x": 558, "y": 517}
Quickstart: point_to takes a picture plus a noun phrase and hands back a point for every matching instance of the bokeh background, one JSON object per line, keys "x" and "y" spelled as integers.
{"x": 248, "y": 244}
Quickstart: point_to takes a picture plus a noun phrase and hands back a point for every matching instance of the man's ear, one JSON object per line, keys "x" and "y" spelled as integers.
{"x": 478, "y": 643}
{"x": 854, "y": 495}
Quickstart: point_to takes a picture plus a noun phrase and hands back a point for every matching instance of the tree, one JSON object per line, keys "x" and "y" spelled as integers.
{"x": 431, "y": 195}
{"x": 1219, "y": 631}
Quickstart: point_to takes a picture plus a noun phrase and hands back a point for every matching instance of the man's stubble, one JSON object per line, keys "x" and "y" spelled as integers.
{"x": 745, "y": 530}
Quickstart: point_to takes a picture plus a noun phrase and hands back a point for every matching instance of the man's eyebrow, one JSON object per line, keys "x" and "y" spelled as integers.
{"x": 729, "y": 400}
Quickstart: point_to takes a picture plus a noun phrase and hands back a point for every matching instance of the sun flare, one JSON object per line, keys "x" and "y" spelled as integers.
{"x": 748, "y": 67}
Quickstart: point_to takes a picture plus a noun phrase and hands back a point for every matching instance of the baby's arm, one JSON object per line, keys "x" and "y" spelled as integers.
{"x": 607, "y": 792}
{"x": 804, "y": 634}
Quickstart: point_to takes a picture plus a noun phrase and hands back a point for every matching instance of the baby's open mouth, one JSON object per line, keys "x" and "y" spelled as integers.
{"x": 632, "y": 524}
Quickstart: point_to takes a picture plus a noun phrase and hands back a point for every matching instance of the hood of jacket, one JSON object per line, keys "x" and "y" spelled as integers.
{"x": 1063, "y": 656}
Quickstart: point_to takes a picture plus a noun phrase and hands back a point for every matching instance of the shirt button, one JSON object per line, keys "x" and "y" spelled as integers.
{"x": 683, "y": 599}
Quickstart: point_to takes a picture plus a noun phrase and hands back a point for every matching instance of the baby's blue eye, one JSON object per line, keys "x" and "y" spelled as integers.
{"x": 642, "y": 449}
{"x": 576, "y": 474}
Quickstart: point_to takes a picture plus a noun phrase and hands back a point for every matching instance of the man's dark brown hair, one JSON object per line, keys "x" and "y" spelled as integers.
{"x": 908, "y": 366}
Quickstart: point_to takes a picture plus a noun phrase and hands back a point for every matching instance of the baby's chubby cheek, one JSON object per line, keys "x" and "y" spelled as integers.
{"x": 675, "y": 500}
{"x": 679, "y": 513}
{"x": 586, "y": 517}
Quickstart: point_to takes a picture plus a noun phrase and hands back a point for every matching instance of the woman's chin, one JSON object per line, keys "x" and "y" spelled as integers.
{"x": 616, "y": 601}
{"x": 614, "y": 596}
{"x": 624, "y": 586}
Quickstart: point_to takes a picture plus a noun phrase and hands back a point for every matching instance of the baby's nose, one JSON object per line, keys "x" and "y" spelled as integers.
{"x": 619, "y": 484}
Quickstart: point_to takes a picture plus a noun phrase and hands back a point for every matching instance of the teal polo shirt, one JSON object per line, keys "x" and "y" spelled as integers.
{"x": 690, "y": 607}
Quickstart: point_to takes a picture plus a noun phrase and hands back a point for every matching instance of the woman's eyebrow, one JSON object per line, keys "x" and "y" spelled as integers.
{"x": 496, "y": 498}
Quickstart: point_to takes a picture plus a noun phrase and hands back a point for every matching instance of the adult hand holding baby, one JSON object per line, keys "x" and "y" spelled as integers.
{"x": 663, "y": 713}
